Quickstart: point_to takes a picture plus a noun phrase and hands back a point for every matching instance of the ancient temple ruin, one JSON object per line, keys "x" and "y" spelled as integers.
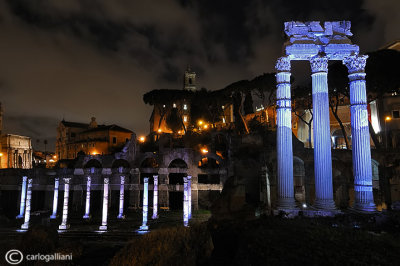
{"x": 318, "y": 44}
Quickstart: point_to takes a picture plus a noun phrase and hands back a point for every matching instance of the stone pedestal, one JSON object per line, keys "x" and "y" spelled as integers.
{"x": 23, "y": 198}
{"x": 362, "y": 169}
{"x": 284, "y": 136}
{"x": 25, "y": 225}
{"x": 155, "y": 197}
{"x": 55, "y": 199}
{"x": 322, "y": 140}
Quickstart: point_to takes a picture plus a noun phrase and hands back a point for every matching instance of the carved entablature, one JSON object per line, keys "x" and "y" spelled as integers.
{"x": 356, "y": 64}
{"x": 308, "y": 39}
{"x": 283, "y": 64}
{"x": 319, "y": 64}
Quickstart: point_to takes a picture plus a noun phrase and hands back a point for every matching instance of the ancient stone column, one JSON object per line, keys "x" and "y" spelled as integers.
{"x": 284, "y": 136}
{"x": 55, "y": 198}
{"x": 103, "y": 226}
{"x": 185, "y": 202}
{"x": 189, "y": 178}
{"x": 144, "y": 226}
{"x": 322, "y": 137}
{"x": 121, "y": 198}
{"x": 360, "y": 138}
{"x": 155, "y": 197}
{"x": 64, "y": 225}
{"x": 23, "y": 198}
{"x": 25, "y": 225}
{"x": 87, "y": 204}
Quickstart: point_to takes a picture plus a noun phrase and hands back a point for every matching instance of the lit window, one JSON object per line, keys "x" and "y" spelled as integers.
{"x": 185, "y": 118}
{"x": 223, "y": 120}
{"x": 223, "y": 107}
{"x": 174, "y": 105}
{"x": 184, "y": 107}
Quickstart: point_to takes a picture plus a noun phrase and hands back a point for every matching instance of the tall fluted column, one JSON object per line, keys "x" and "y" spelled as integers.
{"x": 87, "y": 204}
{"x": 322, "y": 139}
{"x": 64, "y": 225}
{"x": 284, "y": 136}
{"x": 144, "y": 226}
{"x": 23, "y": 198}
{"x": 189, "y": 196}
{"x": 121, "y": 198}
{"x": 103, "y": 226}
{"x": 364, "y": 199}
{"x": 55, "y": 198}
{"x": 185, "y": 202}
{"x": 25, "y": 225}
{"x": 155, "y": 197}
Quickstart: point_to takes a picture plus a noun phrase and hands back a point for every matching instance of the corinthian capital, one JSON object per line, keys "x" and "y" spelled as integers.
{"x": 319, "y": 64}
{"x": 355, "y": 63}
{"x": 283, "y": 64}
{"x": 106, "y": 180}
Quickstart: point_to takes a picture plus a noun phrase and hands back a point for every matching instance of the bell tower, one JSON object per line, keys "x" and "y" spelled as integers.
{"x": 189, "y": 80}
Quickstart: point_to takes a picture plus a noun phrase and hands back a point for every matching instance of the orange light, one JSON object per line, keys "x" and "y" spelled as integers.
{"x": 388, "y": 118}
{"x": 94, "y": 153}
{"x": 200, "y": 122}
{"x": 179, "y": 132}
{"x": 1, "y": 154}
{"x": 55, "y": 157}
{"x": 142, "y": 139}
{"x": 204, "y": 150}
{"x": 205, "y": 126}
{"x": 159, "y": 130}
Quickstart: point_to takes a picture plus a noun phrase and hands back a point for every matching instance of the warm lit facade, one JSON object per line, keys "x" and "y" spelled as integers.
{"x": 16, "y": 151}
{"x": 79, "y": 138}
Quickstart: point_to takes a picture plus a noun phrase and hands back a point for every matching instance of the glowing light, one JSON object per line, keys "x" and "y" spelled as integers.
{"x": 304, "y": 205}
{"x": 142, "y": 139}
{"x": 94, "y": 153}
{"x": 179, "y": 132}
{"x": 55, "y": 157}
{"x": 205, "y": 126}
{"x": 159, "y": 130}
{"x": 200, "y": 122}
{"x": 204, "y": 150}
{"x": 388, "y": 118}
{"x": 1, "y": 154}
{"x": 51, "y": 160}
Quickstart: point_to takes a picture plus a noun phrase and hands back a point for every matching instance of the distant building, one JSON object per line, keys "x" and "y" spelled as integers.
{"x": 75, "y": 138}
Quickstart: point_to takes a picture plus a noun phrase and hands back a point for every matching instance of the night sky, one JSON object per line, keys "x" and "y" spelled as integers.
{"x": 76, "y": 59}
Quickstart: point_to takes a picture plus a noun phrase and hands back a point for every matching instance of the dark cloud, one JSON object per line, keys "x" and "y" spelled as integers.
{"x": 81, "y": 58}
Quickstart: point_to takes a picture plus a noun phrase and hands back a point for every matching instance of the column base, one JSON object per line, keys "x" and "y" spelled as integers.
{"x": 53, "y": 216}
{"x": 286, "y": 204}
{"x": 144, "y": 228}
{"x": 154, "y": 217}
{"x": 86, "y": 216}
{"x": 121, "y": 216}
{"x": 324, "y": 204}
{"x": 63, "y": 226}
{"x": 364, "y": 207}
{"x": 103, "y": 228}
{"x": 25, "y": 226}
{"x": 19, "y": 216}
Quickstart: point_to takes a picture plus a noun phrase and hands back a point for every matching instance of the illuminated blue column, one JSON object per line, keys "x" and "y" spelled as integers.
{"x": 322, "y": 139}
{"x": 64, "y": 225}
{"x": 103, "y": 226}
{"x": 360, "y": 138}
{"x": 23, "y": 198}
{"x": 185, "y": 202}
{"x": 121, "y": 198}
{"x": 189, "y": 196}
{"x": 55, "y": 198}
{"x": 284, "y": 136}
{"x": 25, "y": 225}
{"x": 155, "y": 197}
{"x": 87, "y": 205}
{"x": 144, "y": 226}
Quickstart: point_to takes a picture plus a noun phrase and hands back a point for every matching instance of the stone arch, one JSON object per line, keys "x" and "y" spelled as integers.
{"x": 149, "y": 162}
{"x": 299, "y": 179}
{"x": 93, "y": 163}
{"x": 120, "y": 163}
{"x": 178, "y": 163}
{"x": 338, "y": 141}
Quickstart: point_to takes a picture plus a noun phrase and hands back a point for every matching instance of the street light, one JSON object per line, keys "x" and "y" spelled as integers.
{"x": 387, "y": 119}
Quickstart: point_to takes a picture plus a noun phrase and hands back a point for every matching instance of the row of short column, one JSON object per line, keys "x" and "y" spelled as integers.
{"x": 26, "y": 196}
{"x": 322, "y": 145}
